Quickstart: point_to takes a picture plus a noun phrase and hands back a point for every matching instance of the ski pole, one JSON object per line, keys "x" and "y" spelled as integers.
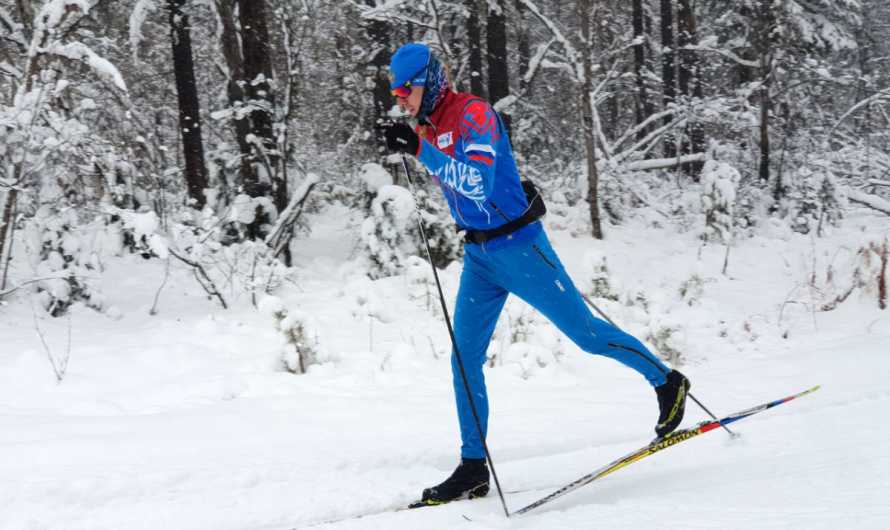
{"x": 697, "y": 402}
{"x": 460, "y": 363}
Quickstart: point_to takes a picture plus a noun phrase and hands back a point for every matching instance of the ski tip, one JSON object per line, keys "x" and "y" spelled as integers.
{"x": 810, "y": 391}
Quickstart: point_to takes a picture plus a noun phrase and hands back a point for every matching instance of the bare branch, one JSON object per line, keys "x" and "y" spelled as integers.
{"x": 202, "y": 277}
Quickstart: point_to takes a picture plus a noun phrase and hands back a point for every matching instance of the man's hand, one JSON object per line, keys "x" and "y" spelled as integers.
{"x": 400, "y": 137}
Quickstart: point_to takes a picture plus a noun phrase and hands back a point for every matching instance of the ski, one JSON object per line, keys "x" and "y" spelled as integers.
{"x": 392, "y": 509}
{"x": 656, "y": 446}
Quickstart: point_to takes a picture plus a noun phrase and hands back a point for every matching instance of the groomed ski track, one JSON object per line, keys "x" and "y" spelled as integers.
{"x": 469, "y": 511}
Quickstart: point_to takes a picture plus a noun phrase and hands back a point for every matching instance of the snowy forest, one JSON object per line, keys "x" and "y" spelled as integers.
{"x": 211, "y": 131}
{"x": 203, "y": 236}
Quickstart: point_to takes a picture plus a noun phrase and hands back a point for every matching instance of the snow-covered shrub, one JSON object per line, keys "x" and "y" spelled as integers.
{"x": 867, "y": 271}
{"x": 599, "y": 280}
{"x": 753, "y": 206}
{"x": 811, "y": 200}
{"x": 445, "y": 243}
{"x": 373, "y": 177}
{"x": 558, "y": 211}
{"x": 245, "y": 213}
{"x": 65, "y": 256}
{"x": 52, "y": 151}
{"x": 251, "y": 268}
{"x": 391, "y": 230}
{"x": 524, "y": 359}
{"x": 669, "y": 341}
{"x": 421, "y": 283}
{"x": 384, "y": 232}
{"x": 692, "y": 289}
{"x": 719, "y": 183}
{"x": 141, "y": 231}
{"x": 614, "y": 195}
{"x": 302, "y": 346}
{"x": 197, "y": 240}
{"x": 523, "y": 342}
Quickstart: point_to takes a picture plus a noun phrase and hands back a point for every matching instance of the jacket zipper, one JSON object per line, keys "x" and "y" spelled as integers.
{"x": 457, "y": 205}
{"x": 498, "y": 210}
{"x": 552, "y": 266}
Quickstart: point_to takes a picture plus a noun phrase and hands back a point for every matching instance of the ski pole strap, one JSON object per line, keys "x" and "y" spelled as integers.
{"x": 536, "y": 210}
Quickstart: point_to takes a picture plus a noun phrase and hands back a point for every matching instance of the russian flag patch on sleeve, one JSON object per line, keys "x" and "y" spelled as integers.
{"x": 481, "y": 153}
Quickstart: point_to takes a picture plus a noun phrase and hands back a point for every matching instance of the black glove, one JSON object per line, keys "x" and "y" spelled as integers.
{"x": 400, "y": 137}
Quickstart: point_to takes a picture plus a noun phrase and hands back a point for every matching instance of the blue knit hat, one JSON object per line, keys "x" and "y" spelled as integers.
{"x": 417, "y": 60}
{"x": 409, "y": 64}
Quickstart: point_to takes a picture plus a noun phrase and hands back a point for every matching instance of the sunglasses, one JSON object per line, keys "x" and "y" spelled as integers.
{"x": 403, "y": 91}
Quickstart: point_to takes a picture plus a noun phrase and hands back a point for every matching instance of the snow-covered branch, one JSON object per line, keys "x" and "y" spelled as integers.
{"x": 13, "y": 30}
{"x": 81, "y": 52}
{"x": 52, "y": 17}
{"x": 535, "y": 61}
{"x": 388, "y": 11}
{"x": 571, "y": 53}
{"x": 664, "y": 163}
{"x": 871, "y": 201}
{"x": 642, "y": 126}
{"x": 140, "y": 13}
{"x": 280, "y": 235}
{"x": 867, "y": 101}
{"x": 650, "y": 138}
{"x": 598, "y": 126}
{"x": 725, "y": 53}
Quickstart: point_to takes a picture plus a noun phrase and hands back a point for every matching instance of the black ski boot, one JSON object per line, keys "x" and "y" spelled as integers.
{"x": 671, "y": 403}
{"x": 469, "y": 481}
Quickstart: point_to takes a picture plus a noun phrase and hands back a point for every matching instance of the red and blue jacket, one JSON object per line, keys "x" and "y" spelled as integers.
{"x": 466, "y": 149}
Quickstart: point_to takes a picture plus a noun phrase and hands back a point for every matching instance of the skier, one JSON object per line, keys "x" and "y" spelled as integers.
{"x": 463, "y": 144}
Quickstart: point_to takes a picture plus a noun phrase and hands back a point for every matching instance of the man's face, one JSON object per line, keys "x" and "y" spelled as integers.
{"x": 412, "y": 102}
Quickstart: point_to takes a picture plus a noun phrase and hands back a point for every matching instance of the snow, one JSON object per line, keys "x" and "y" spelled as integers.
{"x": 504, "y": 103}
{"x": 375, "y": 176}
{"x": 872, "y": 201}
{"x": 47, "y": 21}
{"x": 658, "y": 163}
{"x": 138, "y": 16}
{"x": 186, "y": 420}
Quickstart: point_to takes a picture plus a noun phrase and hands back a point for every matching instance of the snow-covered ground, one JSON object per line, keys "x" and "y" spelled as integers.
{"x": 183, "y": 420}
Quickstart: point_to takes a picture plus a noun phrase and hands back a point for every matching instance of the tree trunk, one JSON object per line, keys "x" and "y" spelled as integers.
{"x": 26, "y": 17}
{"x": 643, "y": 107}
{"x": 189, "y": 106}
{"x": 764, "y": 129}
{"x": 524, "y": 48}
{"x": 231, "y": 49}
{"x": 474, "y": 35}
{"x": 689, "y": 81}
{"x": 589, "y": 139}
{"x": 667, "y": 69}
{"x": 6, "y": 220}
{"x": 258, "y": 74}
{"x": 764, "y": 50}
{"x": 498, "y": 76}
{"x": 379, "y": 32}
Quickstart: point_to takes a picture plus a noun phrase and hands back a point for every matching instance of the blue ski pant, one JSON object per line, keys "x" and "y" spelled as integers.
{"x": 533, "y": 272}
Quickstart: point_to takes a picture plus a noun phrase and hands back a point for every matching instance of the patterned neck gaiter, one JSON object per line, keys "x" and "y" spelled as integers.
{"x": 435, "y": 88}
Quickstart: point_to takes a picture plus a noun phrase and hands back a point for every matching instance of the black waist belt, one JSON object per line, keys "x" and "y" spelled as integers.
{"x": 536, "y": 210}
